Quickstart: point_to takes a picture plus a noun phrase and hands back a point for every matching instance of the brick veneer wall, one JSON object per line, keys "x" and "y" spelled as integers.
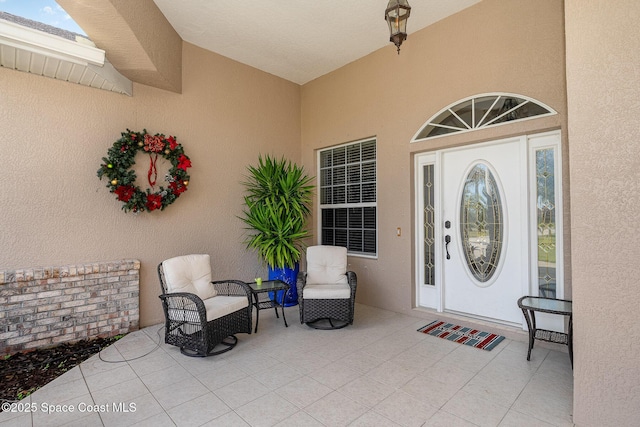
{"x": 42, "y": 307}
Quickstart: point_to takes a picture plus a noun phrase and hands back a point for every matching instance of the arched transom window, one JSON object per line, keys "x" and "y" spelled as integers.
{"x": 481, "y": 111}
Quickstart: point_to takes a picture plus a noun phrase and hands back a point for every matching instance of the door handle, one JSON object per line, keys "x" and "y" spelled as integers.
{"x": 447, "y": 240}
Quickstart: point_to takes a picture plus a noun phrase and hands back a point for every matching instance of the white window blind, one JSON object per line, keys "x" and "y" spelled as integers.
{"x": 348, "y": 197}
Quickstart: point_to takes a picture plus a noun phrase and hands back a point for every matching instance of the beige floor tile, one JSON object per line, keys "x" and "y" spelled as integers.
{"x": 107, "y": 360}
{"x": 335, "y": 375}
{"x": 165, "y": 378}
{"x": 161, "y": 419}
{"x": 517, "y": 419}
{"x": 305, "y": 361}
{"x": 90, "y": 420}
{"x": 449, "y": 374}
{"x": 388, "y": 348}
{"x": 140, "y": 409}
{"x": 15, "y": 419}
{"x": 475, "y": 409}
{"x": 218, "y": 377}
{"x": 137, "y": 345}
{"x": 114, "y": 376}
{"x": 300, "y": 419}
{"x": 335, "y": 409}
{"x": 418, "y": 357}
{"x": 445, "y": 419}
{"x": 366, "y": 391}
{"x": 546, "y": 399}
{"x": 393, "y": 375}
{"x": 362, "y": 361}
{"x": 372, "y": 419}
{"x": 503, "y": 390}
{"x": 196, "y": 365}
{"x": 470, "y": 358}
{"x": 251, "y": 362}
{"x": 54, "y": 393}
{"x": 241, "y": 392}
{"x": 230, "y": 419}
{"x": 179, "y": 393}
{"x": 60, "y": 412}
{"x": 198, "y": 411}
{"x": 125, "y": 392}
{"x": 267, "y": 410}
{"x": 405, "y": 409}
{"x": 154, "y": 362}
{"x": 431, "y": 391}
{"x": 277, "y": 376}
{"x": 303, "y": 391}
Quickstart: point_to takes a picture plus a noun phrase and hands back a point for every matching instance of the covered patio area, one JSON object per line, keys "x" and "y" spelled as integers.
{"x": 576, "y": 57}
{"x": 378, "y": 372}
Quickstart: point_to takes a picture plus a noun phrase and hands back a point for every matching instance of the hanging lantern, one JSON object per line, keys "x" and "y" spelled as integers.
{"x": 396, "y": 16}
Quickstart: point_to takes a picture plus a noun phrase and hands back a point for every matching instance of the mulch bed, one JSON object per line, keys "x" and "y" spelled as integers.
{"x": 23, "y": 373}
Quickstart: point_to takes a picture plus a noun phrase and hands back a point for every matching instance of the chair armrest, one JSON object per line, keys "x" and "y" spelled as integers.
{"x": 187, "y": 302}
{"x": 301, "y": 280}
{"x": 187, "y": 299}
{"x": 352, "y": 278}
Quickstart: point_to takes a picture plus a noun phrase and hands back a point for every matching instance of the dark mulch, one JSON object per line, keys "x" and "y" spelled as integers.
{"x": 23, "y": 373}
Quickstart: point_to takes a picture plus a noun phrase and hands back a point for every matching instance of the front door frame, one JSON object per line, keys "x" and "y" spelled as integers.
{"x": 434, "y": 294}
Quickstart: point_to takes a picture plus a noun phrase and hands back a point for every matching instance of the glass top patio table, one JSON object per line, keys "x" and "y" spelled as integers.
{"x": 266, "y": 295}
{"x": 529, "y": 305}
{"x": 546, "y": 305}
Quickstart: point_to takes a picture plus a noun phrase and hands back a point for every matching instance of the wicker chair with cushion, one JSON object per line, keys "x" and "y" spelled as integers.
{"x": 327, "y": 291}
{"x": 202, "y": 316}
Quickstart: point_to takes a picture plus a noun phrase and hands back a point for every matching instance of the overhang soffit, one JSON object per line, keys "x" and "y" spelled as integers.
{"x": 136, "y": 37}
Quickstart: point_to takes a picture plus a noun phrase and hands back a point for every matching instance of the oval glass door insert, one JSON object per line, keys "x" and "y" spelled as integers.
{"x": 481, "y": 223}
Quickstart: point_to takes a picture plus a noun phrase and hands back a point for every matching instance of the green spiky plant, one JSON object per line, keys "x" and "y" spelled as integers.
{"x": 278, "y": 201}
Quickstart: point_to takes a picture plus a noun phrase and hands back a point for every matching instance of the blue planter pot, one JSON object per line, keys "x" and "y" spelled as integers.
{"x": 290, "y": 277}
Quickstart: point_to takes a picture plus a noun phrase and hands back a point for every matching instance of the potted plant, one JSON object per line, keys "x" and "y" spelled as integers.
{"x": 277, "y": 203}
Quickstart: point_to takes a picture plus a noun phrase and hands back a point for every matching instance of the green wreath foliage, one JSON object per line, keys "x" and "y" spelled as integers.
{"x": 116, "y": 167}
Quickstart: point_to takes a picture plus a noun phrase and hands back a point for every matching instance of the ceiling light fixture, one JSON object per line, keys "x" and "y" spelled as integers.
{"x": 396, "y": 16}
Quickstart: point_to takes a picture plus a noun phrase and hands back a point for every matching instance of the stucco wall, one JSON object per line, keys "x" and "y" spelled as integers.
{"x": 603, "y": 92}
{"x": 54, "y": 209}
{"x": 494, "y": 46}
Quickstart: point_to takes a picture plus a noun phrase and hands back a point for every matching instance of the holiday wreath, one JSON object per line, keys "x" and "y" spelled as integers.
{"x": 122, "y": 180}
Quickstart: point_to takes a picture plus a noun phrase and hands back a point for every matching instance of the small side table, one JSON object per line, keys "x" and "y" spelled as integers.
{"x": 262, "y": 300}
{"x": 530, "y": 305}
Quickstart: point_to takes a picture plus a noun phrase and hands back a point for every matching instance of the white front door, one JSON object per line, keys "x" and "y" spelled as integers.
{"x": 484, "y": 212}
{"x": 500, "y": 204}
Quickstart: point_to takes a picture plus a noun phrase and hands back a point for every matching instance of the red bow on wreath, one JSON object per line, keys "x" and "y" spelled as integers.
{"x": 153, "y": 144}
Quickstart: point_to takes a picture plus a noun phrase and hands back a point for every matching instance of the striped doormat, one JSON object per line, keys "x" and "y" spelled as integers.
{"x": 462, "y": 335}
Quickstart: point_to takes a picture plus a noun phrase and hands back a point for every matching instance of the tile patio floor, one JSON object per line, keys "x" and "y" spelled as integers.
{"x": 377, "y": 372}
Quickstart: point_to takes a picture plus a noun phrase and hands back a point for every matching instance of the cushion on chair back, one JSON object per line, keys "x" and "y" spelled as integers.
{"x": 326, "y": 264}
{"x": 189, "y": 273}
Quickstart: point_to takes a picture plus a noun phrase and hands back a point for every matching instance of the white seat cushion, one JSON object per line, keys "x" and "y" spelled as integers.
{"x": 327, "y": 291}
{"x": 326, "y": 264}
{"x": 222, "y": 305}
{"x": 189, "y": 273}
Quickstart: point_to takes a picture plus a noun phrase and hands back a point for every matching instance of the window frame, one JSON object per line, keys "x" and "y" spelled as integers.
{"x": 547, "y": 141}
{"x": 463, "y": 126}
{"x": 346, "y": 204}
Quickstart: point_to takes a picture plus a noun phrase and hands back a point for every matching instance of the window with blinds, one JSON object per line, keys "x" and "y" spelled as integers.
{"x": 348, "y": 197}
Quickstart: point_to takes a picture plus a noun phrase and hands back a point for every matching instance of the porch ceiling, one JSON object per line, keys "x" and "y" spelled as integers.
{"x": 298, "y": 40}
